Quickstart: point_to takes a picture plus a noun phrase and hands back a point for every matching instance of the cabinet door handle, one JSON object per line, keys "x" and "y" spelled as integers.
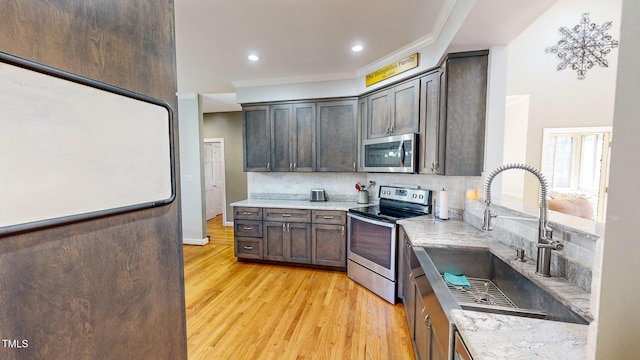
{"x": 268, "y": 166}
{"x": 247, "y": 228}
{"x": 288, "y": 227}
{"x": 343, "y": 230}
{"x": 327, "y": 217}
{"x": 286, "y": 215}
{"x": 246, "y": 213}
{"x": 284, "y": 227}
{"x": 354, "y": 166}
{"x": 248, "y": 247}
{"x": 290, "y": 166}
{"x": 295, "y": 167}
{"x": 391, "y": 130}
{"x": 426, "y": 316}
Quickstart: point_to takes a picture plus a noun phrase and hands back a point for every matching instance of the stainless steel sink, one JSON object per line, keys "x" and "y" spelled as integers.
{"x": 497, "y": 287}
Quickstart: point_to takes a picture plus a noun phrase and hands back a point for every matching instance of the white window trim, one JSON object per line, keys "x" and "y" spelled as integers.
{"x": 604, "y": 174}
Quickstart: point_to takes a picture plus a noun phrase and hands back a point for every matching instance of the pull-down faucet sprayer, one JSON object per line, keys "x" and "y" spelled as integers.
{"x": 545, "y": 242}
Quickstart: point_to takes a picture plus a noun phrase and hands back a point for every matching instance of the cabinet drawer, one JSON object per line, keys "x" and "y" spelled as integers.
{"x": 287, "y": 215}
{"x": 249, "y": 248}
{"x": 247, "y": 213}
{"x": 247, "y": 228}
{"x": 337, "y": 217}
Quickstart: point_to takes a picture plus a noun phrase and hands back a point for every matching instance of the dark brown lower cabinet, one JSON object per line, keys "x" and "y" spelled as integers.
{"x": 329, "y": 238}
{"x": 290, "y": 242}
{"x": 428, "y": 346}
{"x": 417, "y": 302}
{"x": 316, "y": 237}
{"x": 329, "y": 245}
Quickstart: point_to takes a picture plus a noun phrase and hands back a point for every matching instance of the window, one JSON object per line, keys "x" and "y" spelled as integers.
{"x": 575, "y": 162}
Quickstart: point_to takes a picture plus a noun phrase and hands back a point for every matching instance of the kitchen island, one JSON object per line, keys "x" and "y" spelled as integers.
{"x": 494, "y": 336}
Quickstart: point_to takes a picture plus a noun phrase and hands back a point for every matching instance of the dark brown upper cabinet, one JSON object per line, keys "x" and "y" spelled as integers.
{"x": 300, "y": 136}
{"x": 453, "y": 116}
{"x": 393, "y": 111}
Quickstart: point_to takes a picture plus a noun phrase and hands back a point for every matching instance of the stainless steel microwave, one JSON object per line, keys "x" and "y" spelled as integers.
{"x": 390, "y": 154}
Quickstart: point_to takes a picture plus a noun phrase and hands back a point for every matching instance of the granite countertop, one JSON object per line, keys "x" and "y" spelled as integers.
{"x": 427, "y": 231}
{"x": 492, "y": 336}
{"x": 300, "y": 204}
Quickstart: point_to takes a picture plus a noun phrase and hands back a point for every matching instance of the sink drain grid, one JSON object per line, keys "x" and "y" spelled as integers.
{"x": 481, "y": 291}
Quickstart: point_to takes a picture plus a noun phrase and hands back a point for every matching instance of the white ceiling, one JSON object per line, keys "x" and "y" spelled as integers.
{"x": 306, "y": 40}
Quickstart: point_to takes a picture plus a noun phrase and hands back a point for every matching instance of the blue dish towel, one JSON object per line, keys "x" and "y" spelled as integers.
{"x": 456, "y": 280}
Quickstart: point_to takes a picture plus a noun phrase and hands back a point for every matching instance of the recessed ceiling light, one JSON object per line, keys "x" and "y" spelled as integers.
{"x": 357, "y": 48}
{"x": 253, "y": 57}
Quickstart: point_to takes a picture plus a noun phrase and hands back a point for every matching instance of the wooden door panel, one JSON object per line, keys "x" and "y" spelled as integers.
{"x": 405, "y": 108}
{"x": 379, "y": 115}
{"x": 329, "y": 245}
{"x": 337, "y": 136}
{"x": 256, "y": 137}
{"x": 300, "y": 242}
{"x": 304, "y": 140}
{"x": 274, "y": 241}
{"x": 280, "y": 140}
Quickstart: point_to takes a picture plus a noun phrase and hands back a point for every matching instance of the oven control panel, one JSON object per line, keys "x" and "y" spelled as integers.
{"x": 416, "y": 196}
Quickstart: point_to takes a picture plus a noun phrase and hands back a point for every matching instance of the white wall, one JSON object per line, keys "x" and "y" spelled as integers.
{"x": 293, "y": 91}
{"x": 615, "y": 333}
{"x": 496, "y": 104}
{"x": 558, "y": 98}
{"x": 194, "y": 229}
{"x": 516, "y": 122}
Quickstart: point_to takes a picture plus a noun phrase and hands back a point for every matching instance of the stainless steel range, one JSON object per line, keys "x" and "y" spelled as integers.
{"x": 372, "y": 240}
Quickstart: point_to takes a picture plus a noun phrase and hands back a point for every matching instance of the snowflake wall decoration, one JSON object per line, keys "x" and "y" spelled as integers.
{"x": 584, "y": 46}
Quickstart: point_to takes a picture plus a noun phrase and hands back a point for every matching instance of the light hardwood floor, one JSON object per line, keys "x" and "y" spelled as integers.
{"x": 241, "y": 311}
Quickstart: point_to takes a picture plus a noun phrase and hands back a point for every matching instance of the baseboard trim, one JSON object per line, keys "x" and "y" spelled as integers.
{"x": 189, "y": 241}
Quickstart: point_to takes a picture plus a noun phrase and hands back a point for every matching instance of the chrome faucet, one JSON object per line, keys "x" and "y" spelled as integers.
{"x": 545, "y": 234}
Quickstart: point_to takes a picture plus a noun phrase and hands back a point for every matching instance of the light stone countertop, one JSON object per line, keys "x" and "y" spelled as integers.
{"x": 428, "y": 232}
{"x": 492, "y": 336}
{"x": 300, "y": 204}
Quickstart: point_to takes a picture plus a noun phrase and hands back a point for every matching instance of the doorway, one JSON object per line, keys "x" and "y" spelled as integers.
{"x": 214, "y": 178}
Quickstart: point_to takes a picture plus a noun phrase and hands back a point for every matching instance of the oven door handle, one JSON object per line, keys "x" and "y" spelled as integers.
{"x": 371, "y": 221}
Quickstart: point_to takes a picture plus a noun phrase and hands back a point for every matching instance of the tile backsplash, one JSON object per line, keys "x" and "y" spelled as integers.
{"x": 340, "y": 186}
{"x": 297, "y": 185}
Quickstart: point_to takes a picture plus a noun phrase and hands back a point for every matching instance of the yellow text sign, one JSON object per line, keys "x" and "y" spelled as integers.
{"x": 393, "y": 69}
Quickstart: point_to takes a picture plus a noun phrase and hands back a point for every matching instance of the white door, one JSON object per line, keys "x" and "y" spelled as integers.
{"x": 218, "y": 181}
{"x": 209, "y": 175}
